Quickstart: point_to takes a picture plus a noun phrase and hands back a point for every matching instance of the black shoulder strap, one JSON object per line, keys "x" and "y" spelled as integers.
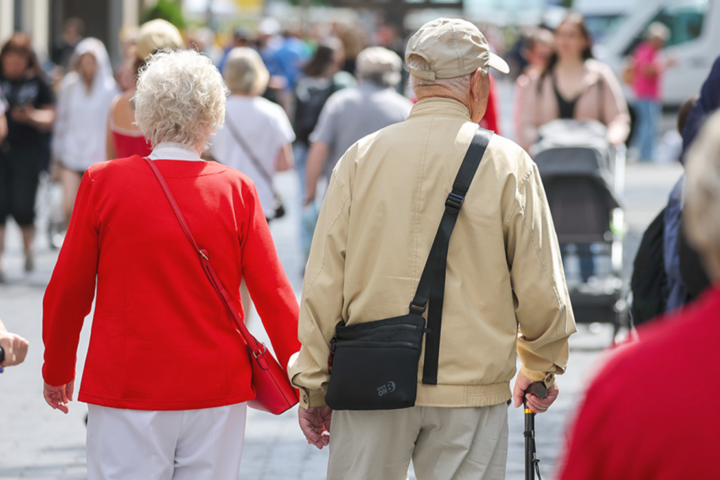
{"x": 432, "y": 281}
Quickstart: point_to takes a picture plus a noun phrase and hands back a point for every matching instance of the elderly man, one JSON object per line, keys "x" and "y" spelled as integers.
{"x": 352, "y": 113}
{"x": 504, "y": 271}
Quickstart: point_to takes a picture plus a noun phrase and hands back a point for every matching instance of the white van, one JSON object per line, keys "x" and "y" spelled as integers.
{"x": 601, "y": 16}
{"x": 694, "y": 42}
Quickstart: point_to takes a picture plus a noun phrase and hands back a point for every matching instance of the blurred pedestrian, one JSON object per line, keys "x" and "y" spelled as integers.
{"x": 3, "y": 120}
{"x": 624, "y": 428}
{"x": 25, "y": 152}
{"x": 353, "y": 113}
{"x": 167, "y": 373}
{"x": 269, "y": 42}
{"x": 80, "y": 133}
{"x": 125, "y": 74}
{"x": 537, "y": 53}
{"x": 293, "y": 54}
{"x": 240, "y": 38}
{"x": 375, "y": 232}
{"x": 257, "y": 136}
{"x": 686, "y": 278}
{"x": 574, "y": 86}
{"x": 124, "y": 137}
{"x": 322, "y": 76}
{"x": 658, "y": 282}
{"x": 648, "y": 68}
{"x": 13, "y": 348}
{"x": 63, "y": 49}
{"x": 353, "y": 41}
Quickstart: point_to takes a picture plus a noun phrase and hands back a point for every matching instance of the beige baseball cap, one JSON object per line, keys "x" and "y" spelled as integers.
{"x": 453, "y": 48}
{"x": 157, "y": 35}
{"x": 378, "y": 60}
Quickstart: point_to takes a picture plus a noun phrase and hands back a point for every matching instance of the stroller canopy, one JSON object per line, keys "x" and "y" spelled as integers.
{"x": 570, "y": 148}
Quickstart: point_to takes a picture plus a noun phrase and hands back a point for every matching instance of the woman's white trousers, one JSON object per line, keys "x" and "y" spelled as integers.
{"x": 203, "y": 444}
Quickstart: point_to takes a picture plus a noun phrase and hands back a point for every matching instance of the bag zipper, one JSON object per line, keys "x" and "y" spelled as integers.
{"x": 368, "y": 343}
{"x": 384, "y": 327}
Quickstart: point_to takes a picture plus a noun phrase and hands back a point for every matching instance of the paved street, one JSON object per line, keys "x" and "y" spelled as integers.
{"x": 39, "y": 443}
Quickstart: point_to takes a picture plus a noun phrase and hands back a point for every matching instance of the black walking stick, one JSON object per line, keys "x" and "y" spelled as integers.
{"x": 531, "y": 461}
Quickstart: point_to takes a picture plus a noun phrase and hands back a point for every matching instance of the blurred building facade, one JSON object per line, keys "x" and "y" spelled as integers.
{"x": 44, "y": 20}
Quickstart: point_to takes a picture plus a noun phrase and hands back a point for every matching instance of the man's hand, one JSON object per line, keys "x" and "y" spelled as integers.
{"x": 15, "y": 348}
{"x": 59, "y": 398}
{"x": 533, "y": 402}
{"x": 315, "y": 424}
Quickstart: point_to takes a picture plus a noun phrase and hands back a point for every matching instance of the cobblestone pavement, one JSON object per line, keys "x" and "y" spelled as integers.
{"x": 39, "y": 443}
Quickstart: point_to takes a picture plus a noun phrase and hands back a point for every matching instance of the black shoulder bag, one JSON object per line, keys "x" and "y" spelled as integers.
{"x": 278, "y": 206}
{"x": 374, "y": 365}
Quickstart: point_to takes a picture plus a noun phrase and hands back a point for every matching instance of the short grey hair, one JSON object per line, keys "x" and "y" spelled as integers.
{"x": 457, "y": 85}
{"x": 180, "y": 98}
{"x": 245, "y": 72}
{"x": 702, "y": 203}
{"x": 381, "y": 79}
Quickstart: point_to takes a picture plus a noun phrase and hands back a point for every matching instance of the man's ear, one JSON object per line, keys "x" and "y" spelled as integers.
{"x": 475, "y": 85}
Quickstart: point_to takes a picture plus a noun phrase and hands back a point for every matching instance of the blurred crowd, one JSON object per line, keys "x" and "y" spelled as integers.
{"x": 74, "y": 109}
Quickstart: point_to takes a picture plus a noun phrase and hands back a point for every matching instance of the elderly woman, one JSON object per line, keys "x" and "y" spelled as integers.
{"x": 649, "y": 390}
{"x": 167, "y": 374}
{"x": 257, "y": 136}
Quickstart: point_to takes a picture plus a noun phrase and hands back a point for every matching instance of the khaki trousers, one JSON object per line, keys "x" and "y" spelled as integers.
{"x": 443, "y": 443}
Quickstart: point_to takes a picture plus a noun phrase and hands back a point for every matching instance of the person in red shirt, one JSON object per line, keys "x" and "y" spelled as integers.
{"x": 649, "y": 412}
{"x": 167, "y": 374}
{"x": 124, "y": 138}
{"x": 491, "y": 119}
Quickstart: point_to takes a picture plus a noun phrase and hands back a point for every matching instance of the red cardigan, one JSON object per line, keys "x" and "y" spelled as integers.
{"x": 161, "y": 338}
{"x": 650, "y": 413}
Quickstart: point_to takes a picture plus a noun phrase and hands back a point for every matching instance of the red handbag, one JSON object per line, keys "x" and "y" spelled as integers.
{"x": 273, "y": 391}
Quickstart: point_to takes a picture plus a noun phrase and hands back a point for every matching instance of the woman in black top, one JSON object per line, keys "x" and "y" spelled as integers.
{"x": 26, "y": 149}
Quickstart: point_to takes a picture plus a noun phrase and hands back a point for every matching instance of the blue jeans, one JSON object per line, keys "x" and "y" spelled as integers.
{"x": 300, "y": 150}
{"x": 648, "y": 114}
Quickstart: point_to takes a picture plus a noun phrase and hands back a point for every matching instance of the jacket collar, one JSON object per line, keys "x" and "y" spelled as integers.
{"x": 440, "y": 106}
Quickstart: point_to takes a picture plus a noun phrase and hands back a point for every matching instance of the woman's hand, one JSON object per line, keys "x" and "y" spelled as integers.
{"x": 59, "y": 398}
{"x": 315, "y": 424}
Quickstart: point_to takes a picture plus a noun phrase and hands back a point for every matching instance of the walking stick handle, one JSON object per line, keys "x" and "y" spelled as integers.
{"x": 538, "y": 389}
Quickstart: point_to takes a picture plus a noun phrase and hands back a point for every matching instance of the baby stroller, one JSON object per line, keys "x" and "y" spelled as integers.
{"x": 583, "y": 175}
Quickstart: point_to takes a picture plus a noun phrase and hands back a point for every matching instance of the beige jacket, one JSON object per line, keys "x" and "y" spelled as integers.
{"x": 601, "y": 99}
{"x": 382, "y": 209}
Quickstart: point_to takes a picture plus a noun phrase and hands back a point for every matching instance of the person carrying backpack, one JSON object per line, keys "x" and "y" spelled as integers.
{"x": 322, "y": 77}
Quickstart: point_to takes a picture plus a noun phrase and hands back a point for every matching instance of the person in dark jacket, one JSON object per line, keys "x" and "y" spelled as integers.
{"x": 677, "y": 251}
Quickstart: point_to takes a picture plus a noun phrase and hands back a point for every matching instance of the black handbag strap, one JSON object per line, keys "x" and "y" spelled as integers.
{"x": 432, "y": 281}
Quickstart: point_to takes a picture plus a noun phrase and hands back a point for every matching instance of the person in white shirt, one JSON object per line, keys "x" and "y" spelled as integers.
{"x": 80, "y": 132}
{"x": 257, "y": 137}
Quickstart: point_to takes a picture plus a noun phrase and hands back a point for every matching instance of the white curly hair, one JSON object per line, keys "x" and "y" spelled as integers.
{"x": 702, "y": 203}
{"x": 180, "y": 98}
